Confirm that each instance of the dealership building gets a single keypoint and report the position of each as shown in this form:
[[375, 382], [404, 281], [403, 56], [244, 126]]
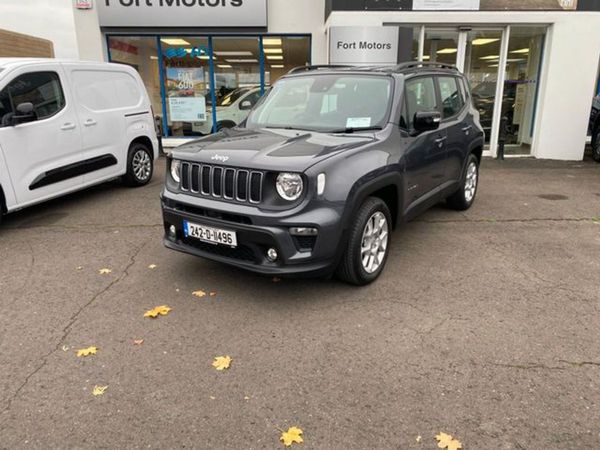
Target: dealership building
[[532, 64]]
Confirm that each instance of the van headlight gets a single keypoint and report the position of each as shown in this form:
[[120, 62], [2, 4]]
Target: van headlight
[[176, 170], [289, 186]]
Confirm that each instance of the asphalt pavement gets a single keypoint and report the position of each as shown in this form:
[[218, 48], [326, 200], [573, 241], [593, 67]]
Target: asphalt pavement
[[485, 325]]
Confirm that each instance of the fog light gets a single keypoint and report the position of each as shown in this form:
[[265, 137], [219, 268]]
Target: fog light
[[303, 231], [172, 231], [271, 254]]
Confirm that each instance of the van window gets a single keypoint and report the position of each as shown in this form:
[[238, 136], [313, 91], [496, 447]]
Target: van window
[[42, 89], [101, 90]]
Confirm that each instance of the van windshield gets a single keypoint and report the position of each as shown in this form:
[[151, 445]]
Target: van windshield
[[325, 102]]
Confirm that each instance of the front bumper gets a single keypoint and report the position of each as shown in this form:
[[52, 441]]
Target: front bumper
[[257, 231]]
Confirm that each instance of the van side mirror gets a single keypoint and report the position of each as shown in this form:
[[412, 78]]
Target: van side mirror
[[245, 105], [24, 113], [426, 121]]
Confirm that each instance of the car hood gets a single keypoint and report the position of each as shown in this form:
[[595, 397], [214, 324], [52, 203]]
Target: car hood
[[269, 149]]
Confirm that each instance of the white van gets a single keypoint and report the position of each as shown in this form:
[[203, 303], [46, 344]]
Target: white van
[[67, 125]]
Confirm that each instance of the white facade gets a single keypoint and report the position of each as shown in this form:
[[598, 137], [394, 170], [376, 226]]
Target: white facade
[[566, 80]]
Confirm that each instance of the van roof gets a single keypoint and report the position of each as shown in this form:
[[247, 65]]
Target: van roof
[[6, 63]]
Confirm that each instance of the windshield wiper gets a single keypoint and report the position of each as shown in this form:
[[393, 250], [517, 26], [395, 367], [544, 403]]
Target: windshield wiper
[[355, 129], [287, 127]]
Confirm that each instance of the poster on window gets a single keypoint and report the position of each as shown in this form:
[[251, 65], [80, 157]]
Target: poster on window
[[186, 87]]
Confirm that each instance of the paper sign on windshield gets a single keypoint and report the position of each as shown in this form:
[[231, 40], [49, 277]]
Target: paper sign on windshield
[[358, 122]]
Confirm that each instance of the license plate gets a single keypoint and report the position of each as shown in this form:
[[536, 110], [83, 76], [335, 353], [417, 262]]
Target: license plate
[[210, 234]]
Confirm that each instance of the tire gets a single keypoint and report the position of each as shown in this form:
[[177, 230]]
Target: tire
[[596, 144], [140, 165], [225, 124], [464, 197], [352, 268]]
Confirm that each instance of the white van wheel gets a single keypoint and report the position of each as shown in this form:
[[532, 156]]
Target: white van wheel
[[140, 165]]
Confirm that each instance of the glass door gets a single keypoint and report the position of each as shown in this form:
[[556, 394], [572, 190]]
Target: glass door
[[441, 45], [482, 56]]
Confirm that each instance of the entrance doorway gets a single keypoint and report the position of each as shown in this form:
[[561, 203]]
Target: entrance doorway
[[503, 67]]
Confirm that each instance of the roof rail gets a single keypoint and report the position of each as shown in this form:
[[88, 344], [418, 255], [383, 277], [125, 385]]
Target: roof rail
[[413, 64], [317, 67]]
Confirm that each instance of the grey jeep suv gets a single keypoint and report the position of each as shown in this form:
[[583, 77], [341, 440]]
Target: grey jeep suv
[[323, 169]]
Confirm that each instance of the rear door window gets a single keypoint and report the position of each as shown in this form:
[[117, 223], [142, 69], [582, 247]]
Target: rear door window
[[42, 89], [452, 101]]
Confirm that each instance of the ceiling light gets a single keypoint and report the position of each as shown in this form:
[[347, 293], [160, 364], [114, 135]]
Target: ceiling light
[[516, 59], [153, 57], [175, 41], [243, 53], [273, 50], [279, 57], [277, 66], [446, 51], [490, 57], [493, 65], [224, 66], [483, 41], [205, 57], [242, 60], [426, 57], [522, 50], [271, 41]]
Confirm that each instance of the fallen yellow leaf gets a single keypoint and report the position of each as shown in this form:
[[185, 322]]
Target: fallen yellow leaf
[[152, 266], [292, 435], [418, 439], [104, 271], [447, 441], [79, 268], [159, 310], [212, 294], [87, 351], [99, 390], [199, 294], [222, 362], [138, 341]]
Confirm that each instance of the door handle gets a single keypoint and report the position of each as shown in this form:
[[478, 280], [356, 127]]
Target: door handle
[[440, 141], [467, 128], [90, 122], [68, 126]]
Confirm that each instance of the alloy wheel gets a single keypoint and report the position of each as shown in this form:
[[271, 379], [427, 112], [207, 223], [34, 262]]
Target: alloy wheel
[[142, 165], [374, 242], [471, 182]]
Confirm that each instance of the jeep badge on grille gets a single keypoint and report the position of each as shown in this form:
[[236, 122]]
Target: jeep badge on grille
[[220, 158]]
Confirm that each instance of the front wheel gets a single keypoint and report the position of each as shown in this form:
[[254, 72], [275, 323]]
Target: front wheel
[[464, 197], [368, 244], [140, 165]]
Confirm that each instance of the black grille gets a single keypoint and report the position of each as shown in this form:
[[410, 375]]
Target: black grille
[[305, 243], [241, 185], [241, 252]]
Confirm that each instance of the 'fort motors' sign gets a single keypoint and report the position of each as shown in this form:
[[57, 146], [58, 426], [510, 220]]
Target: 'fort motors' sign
[[182, 13], [363, 45]]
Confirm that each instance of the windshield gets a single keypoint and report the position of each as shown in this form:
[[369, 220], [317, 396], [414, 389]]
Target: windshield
[[325, 102], [232, 97]]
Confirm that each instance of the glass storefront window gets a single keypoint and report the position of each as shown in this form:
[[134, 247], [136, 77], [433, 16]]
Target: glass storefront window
[[283, 53], [237, 78], [481, 68], [242, 70], [525, 46], [140, 53], [187, 85], [440, 46]]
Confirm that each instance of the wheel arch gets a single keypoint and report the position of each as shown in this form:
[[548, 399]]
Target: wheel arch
[[145, 140], [3, 208]]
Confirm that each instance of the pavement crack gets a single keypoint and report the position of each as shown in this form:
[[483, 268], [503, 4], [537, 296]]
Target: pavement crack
[[580, 363], [528, 366], [68, 327]]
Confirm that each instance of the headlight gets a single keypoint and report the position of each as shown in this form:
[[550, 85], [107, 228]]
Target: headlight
[[289, 186], [175, 170]]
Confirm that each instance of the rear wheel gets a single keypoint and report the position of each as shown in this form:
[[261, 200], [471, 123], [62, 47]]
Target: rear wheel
[[140, 165], [464, 197], [368, 244]]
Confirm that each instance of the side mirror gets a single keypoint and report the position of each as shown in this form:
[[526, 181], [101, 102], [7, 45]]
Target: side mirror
[[24, 113], [245, 105], [426, 121]]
